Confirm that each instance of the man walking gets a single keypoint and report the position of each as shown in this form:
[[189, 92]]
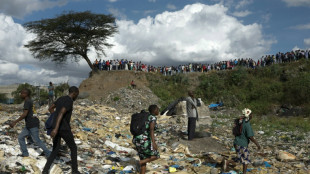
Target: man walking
[[191, 108], [62, 129], [32, 126]]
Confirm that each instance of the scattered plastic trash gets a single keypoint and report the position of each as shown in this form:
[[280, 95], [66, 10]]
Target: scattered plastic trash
[[261, 132], [87, 129], [172, 170], [267, 164]]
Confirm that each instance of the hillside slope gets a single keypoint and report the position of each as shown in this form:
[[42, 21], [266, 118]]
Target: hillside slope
[[280, 89], [101, 84]]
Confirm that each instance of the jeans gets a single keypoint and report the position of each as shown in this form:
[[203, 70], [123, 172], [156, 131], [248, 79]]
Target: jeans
[[34, 133], [69, 139]]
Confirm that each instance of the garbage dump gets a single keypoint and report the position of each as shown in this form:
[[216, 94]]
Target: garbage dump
[[105, 145]]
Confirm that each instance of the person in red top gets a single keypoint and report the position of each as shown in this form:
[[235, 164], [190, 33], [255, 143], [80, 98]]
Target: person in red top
[[133, 85], [108, 65], [204, 68]]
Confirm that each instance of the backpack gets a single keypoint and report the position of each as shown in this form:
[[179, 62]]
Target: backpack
[[49, 123], [137, 123], [237, 129]]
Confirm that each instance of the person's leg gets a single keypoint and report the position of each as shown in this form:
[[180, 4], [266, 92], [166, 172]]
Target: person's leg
[[50, 159], [50, 98], [22, 142], [188, 128], [143, 169], [69, 139], [29, 140], [191, 128], [245, 167], [147, 160], [35, 136]]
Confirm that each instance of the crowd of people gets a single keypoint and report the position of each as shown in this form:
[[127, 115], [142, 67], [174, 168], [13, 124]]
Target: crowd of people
[[266, 60]]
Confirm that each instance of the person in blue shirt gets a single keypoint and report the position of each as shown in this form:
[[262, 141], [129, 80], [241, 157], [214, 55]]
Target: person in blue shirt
[[50, 94]]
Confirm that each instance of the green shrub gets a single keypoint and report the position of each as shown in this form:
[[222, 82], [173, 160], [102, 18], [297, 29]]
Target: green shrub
[[3, 98], [116, 98], [259, 89]]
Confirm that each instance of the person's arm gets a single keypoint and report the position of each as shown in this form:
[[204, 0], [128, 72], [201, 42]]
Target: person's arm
[[21, 117], [152, 127], [52, 108], [255, 142], [59, 118]]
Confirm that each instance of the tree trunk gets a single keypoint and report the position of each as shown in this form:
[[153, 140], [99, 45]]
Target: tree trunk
[[89, 62]]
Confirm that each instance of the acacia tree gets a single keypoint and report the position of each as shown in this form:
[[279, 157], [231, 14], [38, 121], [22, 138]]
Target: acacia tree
[[70, 36]]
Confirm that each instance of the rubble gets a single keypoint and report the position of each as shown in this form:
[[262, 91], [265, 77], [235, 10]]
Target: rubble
[[105, 145]]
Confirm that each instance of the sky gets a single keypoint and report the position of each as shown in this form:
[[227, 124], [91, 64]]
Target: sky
[[157, 32]]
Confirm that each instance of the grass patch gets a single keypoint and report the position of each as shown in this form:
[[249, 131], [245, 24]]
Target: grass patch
[[116, 98], [168, 88], [271, 124]]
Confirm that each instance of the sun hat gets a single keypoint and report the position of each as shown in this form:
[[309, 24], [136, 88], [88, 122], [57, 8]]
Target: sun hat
[[246, 112]]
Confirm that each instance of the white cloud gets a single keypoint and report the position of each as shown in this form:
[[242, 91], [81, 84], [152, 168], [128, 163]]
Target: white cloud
[[116, 13], [266, 17], [296, 48], [307, 42], [147, 12], [237, 4], [17, 65], [112, 0], [171, 6], [8, 68], [20, 8], [302, 27], [152, 0], [227, 3], [242, 13], [198, 33], [296, 3], [243, 3]]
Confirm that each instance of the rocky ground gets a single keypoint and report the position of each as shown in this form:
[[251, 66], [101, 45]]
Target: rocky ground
[[104, 142]]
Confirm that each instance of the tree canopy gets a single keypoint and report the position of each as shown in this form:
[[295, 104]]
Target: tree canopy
[[35, 94], [70, 36], [61, 89], [3, 98]]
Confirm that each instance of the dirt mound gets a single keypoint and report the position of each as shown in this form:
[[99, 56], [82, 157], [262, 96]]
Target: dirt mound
[[112, 88], [101, 84]]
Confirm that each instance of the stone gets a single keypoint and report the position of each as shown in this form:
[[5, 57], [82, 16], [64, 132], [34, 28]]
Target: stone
[[285, 156], [214, 171]]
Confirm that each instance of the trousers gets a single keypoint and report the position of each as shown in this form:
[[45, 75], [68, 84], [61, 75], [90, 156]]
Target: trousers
[[67, 136], [191, 127]]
